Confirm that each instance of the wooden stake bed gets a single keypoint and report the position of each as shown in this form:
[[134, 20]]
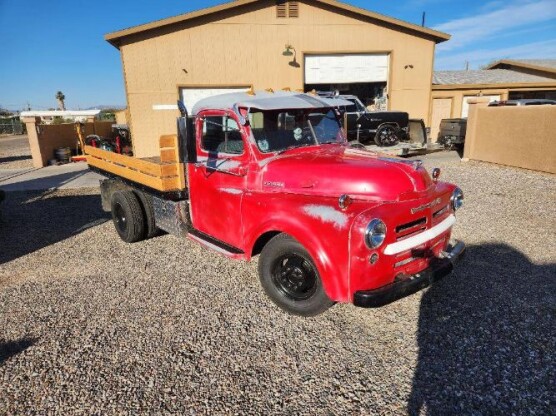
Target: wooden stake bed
[[165, 174]]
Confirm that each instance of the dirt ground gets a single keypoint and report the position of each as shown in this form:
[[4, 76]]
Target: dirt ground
[[91, 325]]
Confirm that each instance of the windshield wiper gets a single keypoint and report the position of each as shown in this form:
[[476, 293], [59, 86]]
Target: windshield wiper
[[293, 147]]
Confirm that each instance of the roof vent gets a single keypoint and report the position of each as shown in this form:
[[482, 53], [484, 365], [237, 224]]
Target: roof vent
[[281, 9], [293, 8], [287, 8]]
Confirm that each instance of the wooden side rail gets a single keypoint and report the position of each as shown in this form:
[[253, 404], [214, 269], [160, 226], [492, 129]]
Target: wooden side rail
[[168, 175]]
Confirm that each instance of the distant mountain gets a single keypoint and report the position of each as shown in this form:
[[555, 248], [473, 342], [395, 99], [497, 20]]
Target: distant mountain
[[107, 107]]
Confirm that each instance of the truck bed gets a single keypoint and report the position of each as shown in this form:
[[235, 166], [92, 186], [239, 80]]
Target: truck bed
[[164, 173]]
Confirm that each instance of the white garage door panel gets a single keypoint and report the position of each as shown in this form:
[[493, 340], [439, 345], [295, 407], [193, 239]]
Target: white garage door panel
[[190, 96], [344, 69], [465, 103]]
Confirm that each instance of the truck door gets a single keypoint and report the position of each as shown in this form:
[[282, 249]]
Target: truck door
[[217, 181]]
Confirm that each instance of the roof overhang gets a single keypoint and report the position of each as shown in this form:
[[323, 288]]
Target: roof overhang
[[115, 38], [438, 87], [519, 64]]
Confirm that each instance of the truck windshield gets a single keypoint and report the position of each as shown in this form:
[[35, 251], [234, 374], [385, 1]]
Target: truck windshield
[[279, 130], [357, 105]]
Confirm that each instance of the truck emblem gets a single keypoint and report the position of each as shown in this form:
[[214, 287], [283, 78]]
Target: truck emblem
[[425, 206], [274, 184]]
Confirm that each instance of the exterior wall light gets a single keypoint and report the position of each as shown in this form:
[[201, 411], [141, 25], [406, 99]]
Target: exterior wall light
[[288, 50]]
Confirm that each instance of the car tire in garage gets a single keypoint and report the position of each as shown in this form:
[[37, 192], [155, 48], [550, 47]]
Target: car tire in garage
[[290, 278], [127, 216]]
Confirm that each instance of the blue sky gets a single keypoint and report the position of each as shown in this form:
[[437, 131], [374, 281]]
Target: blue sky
[[58, 45]]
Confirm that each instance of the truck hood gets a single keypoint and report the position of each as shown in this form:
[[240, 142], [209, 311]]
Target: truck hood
[[335, 170]]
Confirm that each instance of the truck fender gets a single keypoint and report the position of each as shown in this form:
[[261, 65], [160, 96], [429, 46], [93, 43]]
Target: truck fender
[[334, 283]]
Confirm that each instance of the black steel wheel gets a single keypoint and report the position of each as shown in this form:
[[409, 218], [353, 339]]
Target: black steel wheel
[[127, 216], [294, 276], [387, 135], [290, 278]]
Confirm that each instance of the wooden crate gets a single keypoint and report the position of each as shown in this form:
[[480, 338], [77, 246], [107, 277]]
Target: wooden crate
[[165, 175]]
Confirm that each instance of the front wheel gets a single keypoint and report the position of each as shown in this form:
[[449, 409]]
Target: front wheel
[[387, 135], [290, 278]]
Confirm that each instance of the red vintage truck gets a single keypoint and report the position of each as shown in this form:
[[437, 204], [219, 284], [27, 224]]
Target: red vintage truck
[[271, 174]]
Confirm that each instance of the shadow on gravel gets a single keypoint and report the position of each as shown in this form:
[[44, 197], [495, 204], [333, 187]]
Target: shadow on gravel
[[40, 183], [14, 158], [35, 219], [486, 338], [11, 348]]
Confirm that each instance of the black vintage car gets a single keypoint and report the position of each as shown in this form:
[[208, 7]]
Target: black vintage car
[[386, 128]]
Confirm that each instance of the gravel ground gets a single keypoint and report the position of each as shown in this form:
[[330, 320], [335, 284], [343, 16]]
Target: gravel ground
[[91, 325], [15, 152]]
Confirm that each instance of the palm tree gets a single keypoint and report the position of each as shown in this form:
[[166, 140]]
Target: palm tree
[[61, 97]]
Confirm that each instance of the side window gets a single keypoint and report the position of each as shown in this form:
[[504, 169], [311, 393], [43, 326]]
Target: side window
[[221, 135]]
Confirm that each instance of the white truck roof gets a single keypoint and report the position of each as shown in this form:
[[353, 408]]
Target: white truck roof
[[264, 100]]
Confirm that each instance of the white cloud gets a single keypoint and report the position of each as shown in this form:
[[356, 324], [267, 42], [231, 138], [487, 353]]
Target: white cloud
[[505, 17], [483, 56]]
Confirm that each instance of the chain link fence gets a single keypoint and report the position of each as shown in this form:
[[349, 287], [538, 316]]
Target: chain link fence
[[12, 127]]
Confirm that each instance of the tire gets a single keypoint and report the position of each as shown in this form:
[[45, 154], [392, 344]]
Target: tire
[[290, 278], [387, 135], [127, 216], [146, 201]]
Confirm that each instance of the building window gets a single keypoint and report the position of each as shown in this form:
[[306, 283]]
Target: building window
[[287, 9]]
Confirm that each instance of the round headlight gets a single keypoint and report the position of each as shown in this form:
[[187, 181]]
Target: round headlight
[[375, 233], [457, 199]]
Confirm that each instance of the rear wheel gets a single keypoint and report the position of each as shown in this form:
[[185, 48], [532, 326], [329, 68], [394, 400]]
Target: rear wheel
[[387, 135], [127, 216], [290, 278], [148, 213]]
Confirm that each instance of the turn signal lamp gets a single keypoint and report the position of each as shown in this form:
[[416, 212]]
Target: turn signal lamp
[[344, 201]]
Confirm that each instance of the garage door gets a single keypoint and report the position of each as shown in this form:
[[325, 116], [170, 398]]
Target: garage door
[[441, 108], [465, 104], [345, 69], [191, 96]]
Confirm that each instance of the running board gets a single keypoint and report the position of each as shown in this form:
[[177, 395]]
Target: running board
[[215, 244]]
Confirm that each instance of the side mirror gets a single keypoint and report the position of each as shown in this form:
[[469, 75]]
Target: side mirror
[[186, 136], [182, 108]]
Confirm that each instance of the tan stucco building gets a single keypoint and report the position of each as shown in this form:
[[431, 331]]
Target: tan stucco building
[[503, 80], [241, 45]]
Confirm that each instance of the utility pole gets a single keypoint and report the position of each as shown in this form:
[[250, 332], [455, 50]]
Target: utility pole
[[423, 19]]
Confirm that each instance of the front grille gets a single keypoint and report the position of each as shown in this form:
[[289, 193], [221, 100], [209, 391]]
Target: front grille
[[440, 212], [404, 262], [410, 228]]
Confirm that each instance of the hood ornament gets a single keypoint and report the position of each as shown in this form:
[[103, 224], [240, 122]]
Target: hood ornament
[[417, 164]]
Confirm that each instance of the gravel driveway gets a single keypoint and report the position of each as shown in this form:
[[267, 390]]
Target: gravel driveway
[[15, 152], [90, 325]]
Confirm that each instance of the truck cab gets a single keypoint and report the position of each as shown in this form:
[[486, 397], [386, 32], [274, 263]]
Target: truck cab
[[272, 174]]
